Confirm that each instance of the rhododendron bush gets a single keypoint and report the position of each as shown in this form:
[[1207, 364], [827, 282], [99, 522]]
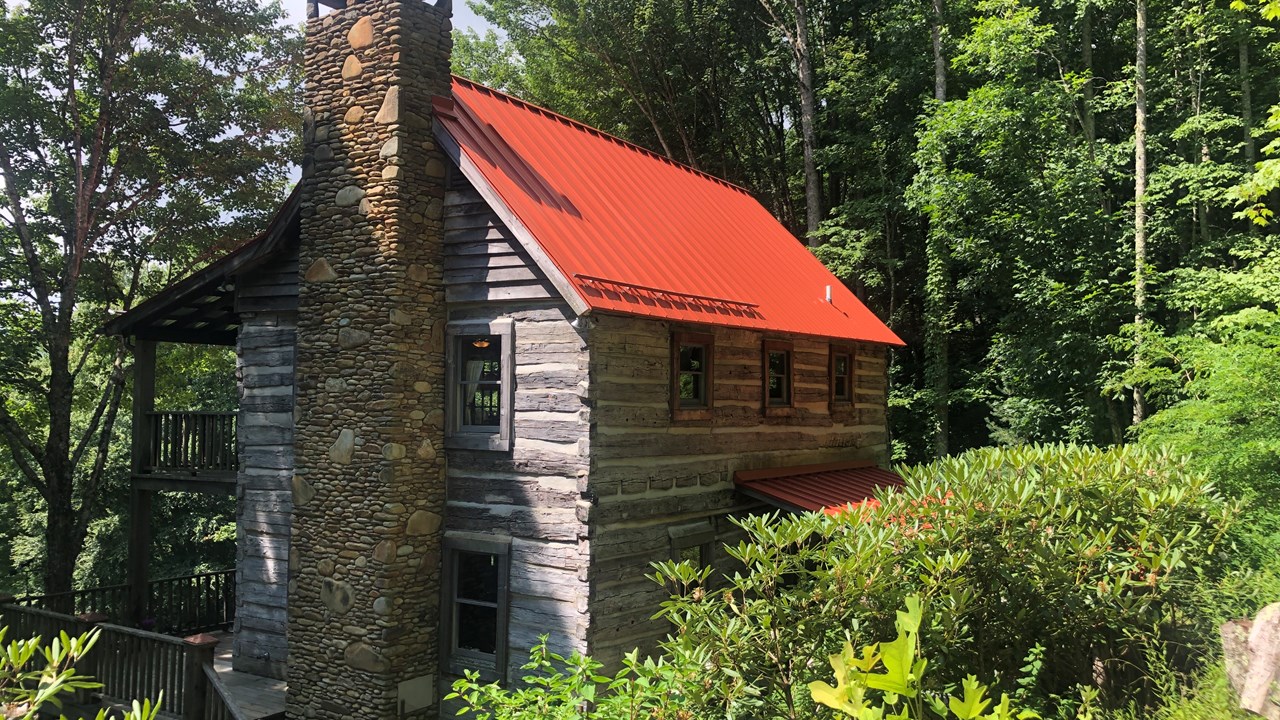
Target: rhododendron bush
[[1056, 570]]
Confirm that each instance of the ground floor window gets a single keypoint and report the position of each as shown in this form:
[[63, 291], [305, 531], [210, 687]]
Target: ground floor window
[[475, 607]]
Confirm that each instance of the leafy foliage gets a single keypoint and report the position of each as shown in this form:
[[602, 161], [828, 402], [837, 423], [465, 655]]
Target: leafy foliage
[[1076, 558], [34, 676], [573, 689], [899, 684]]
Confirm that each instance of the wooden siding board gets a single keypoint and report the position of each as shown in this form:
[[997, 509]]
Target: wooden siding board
[[264, 361]]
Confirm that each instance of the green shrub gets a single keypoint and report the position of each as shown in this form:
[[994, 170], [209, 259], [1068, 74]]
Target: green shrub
[[35, 676], [560, 688], [863, 693], [1046, 568]]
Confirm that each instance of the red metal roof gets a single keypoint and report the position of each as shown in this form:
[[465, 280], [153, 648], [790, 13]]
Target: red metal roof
[[832, 488], [637, 234]]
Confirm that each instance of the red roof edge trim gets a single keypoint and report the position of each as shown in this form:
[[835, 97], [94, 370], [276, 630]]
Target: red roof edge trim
[[598, 132]]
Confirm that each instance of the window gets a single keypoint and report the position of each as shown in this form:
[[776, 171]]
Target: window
[[691, 375], [475, 608], [777, 374], [693, 542], [841, 375], [480, 378]]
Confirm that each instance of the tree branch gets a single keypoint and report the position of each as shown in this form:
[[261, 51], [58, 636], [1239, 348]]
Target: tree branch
[[20, 446], [89, 494], [39, 280]]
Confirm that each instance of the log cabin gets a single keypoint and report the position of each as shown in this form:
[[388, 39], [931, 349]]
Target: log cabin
[[492, 363]]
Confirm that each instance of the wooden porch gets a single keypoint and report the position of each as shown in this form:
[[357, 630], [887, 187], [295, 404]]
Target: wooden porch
[[192, 675]]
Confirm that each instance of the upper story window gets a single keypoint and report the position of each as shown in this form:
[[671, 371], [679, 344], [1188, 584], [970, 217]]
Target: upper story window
[[691, 375], [777, 374], [480, 378], [841, 374]]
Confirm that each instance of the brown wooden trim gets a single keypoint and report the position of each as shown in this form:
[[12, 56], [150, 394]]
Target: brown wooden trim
[[682, 337], [766, 347]]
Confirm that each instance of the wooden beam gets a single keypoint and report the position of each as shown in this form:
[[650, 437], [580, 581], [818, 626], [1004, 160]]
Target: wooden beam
[[168, 483], [139, 553], [144, 402], [193, 337]]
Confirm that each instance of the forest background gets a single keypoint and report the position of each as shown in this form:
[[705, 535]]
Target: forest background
[[1048, 201]]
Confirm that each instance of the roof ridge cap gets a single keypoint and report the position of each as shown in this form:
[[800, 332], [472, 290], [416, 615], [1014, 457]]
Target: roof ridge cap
[[601, 134]]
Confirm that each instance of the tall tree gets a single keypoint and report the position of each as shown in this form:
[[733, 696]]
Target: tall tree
[[937, 286], [791, 18], [133, 134], [1139, 200]]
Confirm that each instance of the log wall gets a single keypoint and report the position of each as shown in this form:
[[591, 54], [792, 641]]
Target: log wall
[[532, 494], [265, 348], [649, 474]]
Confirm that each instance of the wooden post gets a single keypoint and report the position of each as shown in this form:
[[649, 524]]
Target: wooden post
[[144, 402], [195, 691]]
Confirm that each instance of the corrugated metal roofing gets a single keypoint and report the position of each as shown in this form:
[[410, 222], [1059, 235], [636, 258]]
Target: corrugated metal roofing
[[637, 234], [809, 488]]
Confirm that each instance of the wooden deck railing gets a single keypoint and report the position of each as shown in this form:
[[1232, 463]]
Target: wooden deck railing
[[175, 606], [218, 703], [130, 664], [191, 442], [193, 603]]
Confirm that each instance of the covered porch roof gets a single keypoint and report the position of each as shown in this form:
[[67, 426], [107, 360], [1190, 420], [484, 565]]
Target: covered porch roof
[[830, 487], [201, 308]]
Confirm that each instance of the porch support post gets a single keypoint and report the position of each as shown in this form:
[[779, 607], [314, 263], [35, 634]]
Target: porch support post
[[144, 401]]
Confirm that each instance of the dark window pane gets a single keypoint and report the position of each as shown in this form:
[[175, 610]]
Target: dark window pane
[[477, 628], [482, 405], [692, 358], [480, 380], [477, 576], [693, 554], [841, 387], [691, 389], [842, 365], [778, 363]]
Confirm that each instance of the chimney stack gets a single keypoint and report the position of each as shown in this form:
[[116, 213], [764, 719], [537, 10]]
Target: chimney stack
[[364, 566]]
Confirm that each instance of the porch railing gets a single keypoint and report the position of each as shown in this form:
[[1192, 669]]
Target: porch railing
[[130, 664], [175, 606], [191, 442], [218, 704]]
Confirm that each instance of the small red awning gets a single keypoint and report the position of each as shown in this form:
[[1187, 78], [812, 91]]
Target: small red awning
[[831, 488]]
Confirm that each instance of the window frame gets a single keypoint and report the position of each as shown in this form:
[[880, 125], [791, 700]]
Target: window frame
[[766, 348], [707, 341], [701, 534], [457, 661], [458, 436], [835, 351]]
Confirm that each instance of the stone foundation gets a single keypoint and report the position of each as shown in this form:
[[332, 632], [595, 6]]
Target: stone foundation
[[369, 489]]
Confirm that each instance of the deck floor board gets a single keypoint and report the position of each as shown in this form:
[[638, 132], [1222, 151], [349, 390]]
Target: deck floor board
[[257, 697]]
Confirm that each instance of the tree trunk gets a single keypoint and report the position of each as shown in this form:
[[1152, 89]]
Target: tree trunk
[[1139, 203], [1246, 97], [939, 59], [1086, 56], [808, 120], [938, 282]]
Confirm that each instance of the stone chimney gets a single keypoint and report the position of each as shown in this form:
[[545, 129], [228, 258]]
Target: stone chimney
[[364, 587]]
